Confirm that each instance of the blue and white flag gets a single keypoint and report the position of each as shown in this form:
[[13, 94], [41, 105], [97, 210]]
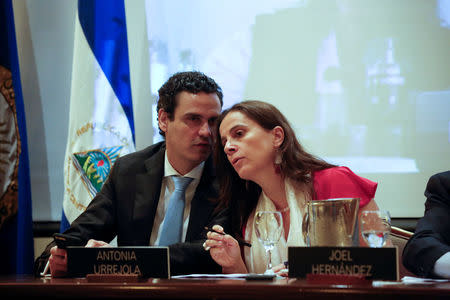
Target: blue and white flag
[[16, 227], [101, 125]]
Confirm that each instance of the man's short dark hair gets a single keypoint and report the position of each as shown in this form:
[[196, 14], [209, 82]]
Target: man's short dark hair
[[191, 82]]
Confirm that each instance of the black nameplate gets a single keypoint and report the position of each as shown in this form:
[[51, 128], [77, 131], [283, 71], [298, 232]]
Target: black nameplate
[[142, 261], [372, 263]]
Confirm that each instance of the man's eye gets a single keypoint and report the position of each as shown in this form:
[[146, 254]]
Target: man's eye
[[193, 119]]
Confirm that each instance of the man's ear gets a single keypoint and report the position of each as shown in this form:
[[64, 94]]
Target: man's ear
[[163, 119], [278, 136]]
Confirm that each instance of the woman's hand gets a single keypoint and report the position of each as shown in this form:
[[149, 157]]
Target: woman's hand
[[281, 270], [225, 250]]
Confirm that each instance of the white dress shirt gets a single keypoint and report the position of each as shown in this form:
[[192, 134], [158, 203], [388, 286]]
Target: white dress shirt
[[442, 266], [167, 188], [256, 257]]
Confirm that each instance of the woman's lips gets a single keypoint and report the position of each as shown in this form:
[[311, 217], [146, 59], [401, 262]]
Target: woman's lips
[[235, 161]]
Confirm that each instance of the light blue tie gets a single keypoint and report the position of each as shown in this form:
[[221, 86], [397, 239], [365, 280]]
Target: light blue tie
[[173, 221]]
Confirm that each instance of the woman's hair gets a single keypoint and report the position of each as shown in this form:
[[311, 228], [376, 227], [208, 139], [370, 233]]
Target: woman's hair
[[241, 196]]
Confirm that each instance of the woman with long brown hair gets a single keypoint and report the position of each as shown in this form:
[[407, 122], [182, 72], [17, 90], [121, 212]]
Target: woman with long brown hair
[[262, 166]]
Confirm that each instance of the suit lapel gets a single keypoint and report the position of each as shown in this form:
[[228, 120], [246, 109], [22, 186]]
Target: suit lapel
[[201, 207], [148, 188]]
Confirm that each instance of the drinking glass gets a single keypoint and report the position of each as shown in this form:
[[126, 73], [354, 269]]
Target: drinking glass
[[375, 227], [269, 226]]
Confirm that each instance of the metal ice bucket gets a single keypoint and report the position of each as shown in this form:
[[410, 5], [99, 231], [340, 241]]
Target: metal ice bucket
[[331, 222]]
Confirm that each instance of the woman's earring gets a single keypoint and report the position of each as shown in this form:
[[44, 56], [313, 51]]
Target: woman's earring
[[278, 158], [278, 161]]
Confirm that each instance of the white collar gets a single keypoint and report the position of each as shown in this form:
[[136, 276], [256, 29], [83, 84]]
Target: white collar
[[169, 170]]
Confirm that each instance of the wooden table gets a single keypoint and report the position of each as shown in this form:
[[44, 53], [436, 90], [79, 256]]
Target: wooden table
[[214, 289]]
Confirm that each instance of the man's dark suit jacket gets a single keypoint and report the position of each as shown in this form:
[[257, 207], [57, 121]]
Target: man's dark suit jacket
[[431, 239], [126, 207]]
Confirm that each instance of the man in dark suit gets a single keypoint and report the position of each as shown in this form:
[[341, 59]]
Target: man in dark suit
[[133, 201], [427, 252]]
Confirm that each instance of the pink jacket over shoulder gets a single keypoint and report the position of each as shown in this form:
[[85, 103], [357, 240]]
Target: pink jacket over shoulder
[[341, 182]]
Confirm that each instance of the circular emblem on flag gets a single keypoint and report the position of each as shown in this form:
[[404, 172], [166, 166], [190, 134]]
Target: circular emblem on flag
[[9, 147], [91, 154]]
